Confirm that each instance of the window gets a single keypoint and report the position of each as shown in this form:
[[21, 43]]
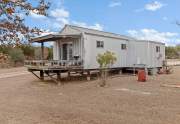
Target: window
[[123, 46], [64, 50], [100, 44], [157, 49]]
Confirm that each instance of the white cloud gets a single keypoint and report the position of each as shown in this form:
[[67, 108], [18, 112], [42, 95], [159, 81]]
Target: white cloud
[[34, 15], [96, 26], [115, 4], [59, 13], [63, 20], [154, 6], [169, 38], [58, 23], [59, 17], [55, 21]]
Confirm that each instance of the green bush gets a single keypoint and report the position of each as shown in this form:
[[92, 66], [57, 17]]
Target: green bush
[[28, 50], [16, 56]]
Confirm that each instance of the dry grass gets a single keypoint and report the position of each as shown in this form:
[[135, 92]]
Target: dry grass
[[25, 100]]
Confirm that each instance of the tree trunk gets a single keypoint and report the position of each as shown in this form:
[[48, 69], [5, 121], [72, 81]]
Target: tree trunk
[[103, 77]]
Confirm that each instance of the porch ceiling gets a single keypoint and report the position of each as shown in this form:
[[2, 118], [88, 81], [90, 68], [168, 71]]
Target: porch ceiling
[[52, 37]]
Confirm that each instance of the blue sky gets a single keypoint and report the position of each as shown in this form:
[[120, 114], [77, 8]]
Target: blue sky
[[143, 19]]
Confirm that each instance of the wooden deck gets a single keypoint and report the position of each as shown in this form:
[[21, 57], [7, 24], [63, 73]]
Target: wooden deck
[[53, 64], [52, 67]]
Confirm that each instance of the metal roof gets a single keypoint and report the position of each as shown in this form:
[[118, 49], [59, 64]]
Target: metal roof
[[100, 33], [52, 37], [156, 42]]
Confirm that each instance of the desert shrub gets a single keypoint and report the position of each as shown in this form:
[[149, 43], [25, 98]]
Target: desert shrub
[[5, 48], [16, 56], [173, 52]]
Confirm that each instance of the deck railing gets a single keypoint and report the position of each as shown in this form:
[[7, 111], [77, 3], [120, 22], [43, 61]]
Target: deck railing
[[53, 63]]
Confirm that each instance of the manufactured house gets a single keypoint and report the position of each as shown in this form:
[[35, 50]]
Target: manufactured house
[[76, 48]]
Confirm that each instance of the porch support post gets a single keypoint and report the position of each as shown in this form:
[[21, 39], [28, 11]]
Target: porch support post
[[42, 50], [42, 58], [42, 75], [59, 76], [120, 71], [88, 76]]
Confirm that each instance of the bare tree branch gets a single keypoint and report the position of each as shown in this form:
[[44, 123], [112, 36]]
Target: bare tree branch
[[12, 24]]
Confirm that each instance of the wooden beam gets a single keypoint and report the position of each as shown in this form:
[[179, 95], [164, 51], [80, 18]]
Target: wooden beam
[[52, 78], [35, 74]]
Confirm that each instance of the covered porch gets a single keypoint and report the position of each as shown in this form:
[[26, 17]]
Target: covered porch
[[67, 51], [67, 56]]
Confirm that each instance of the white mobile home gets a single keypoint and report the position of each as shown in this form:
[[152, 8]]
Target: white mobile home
[[85, 44], [76, 46]]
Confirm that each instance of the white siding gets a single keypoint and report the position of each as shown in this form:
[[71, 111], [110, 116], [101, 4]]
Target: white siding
[[144, 52], [70, 31], [137, 52], [57, 48], [156, 58], [110, 44], [77, 48]]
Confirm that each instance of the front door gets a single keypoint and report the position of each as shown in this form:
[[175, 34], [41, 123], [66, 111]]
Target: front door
[[64, 51], [67, 51]]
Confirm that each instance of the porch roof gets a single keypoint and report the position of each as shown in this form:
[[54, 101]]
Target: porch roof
[[52, 37]]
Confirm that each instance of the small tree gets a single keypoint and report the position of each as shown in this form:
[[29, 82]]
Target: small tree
[[105, 60]]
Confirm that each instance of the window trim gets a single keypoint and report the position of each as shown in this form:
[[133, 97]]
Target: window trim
[[123, 46], [99, 44], [158, 49]]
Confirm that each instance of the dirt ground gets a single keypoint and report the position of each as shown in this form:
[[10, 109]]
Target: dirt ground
[[26, 100]]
